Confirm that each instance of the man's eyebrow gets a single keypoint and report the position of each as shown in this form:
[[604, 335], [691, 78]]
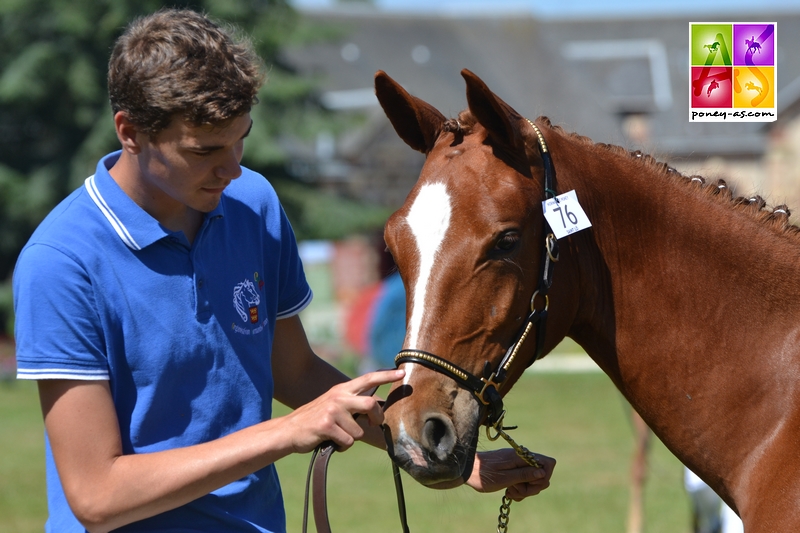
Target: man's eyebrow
[[220, 147]]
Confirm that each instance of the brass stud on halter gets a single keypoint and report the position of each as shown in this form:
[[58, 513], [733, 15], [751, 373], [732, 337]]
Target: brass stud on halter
[[542, 144]]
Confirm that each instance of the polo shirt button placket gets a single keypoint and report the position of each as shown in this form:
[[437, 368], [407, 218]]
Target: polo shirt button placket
[[202, 297]]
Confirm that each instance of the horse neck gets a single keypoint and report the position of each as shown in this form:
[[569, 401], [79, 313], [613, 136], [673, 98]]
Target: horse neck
[[659, 236], [681, 291]]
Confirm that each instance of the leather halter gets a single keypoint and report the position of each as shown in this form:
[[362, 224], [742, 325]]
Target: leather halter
[[486, 388]]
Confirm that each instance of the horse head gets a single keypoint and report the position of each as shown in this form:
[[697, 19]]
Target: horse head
[[245, 297], [468, 243]]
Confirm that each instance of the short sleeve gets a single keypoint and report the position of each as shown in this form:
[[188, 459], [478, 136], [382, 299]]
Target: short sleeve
[[295, 293], [58, 331]]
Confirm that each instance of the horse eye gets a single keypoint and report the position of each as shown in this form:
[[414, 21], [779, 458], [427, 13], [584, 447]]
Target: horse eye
[[507, 242]]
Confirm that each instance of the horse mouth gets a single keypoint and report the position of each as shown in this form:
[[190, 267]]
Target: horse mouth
[[430, 465]]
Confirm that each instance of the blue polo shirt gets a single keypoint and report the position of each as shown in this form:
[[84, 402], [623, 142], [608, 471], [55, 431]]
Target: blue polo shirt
[[183, 333]]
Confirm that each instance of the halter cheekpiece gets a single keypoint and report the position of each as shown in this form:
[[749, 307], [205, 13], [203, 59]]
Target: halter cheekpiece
[[486, 388]]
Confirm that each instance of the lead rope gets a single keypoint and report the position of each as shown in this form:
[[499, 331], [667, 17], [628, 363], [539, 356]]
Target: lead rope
[[527, 455]]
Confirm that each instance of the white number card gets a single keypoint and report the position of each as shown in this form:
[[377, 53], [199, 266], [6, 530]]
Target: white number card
[[565, 214]]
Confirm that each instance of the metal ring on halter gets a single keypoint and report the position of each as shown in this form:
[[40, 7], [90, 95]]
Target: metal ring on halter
[[533, 302], [550, 245], [497, 427]]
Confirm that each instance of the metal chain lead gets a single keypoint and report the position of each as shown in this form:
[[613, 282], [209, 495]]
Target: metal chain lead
[[527, 455], [502, 518]]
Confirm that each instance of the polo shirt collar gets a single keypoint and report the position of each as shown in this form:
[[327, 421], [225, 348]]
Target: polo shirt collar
[[134, 226]]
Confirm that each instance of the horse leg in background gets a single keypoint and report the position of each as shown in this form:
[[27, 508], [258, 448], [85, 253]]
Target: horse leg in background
[[709, 513], [707, 507], [642, 436]]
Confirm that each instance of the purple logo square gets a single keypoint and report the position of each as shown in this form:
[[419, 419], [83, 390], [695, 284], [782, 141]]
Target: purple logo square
[[754, 44]]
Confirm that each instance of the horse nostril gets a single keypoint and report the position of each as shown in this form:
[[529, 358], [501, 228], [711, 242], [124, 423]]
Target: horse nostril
[[438, 437]]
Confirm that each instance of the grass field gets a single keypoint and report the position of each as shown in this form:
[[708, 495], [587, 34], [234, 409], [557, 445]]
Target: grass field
[[22, 489], [578, 418]]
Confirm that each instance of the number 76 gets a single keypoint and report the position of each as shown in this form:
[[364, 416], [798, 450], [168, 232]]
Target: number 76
[[572, 217]]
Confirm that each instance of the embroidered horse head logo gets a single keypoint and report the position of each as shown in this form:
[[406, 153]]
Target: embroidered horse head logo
[[246, 300]]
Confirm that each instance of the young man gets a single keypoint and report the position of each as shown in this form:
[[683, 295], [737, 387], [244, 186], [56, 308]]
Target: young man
[[157, 307]]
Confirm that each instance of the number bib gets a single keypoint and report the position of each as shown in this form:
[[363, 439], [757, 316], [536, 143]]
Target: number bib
[[565, 214]]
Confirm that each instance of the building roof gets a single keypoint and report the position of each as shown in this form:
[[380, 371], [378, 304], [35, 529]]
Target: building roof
[[588, 76]]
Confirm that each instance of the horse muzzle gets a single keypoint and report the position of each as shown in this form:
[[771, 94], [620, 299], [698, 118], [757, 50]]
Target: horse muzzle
[[433, 444]]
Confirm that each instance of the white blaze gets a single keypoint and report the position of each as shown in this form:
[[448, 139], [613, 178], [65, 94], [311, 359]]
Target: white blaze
[[428, 218]]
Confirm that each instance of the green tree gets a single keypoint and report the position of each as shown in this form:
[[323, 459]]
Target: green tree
[[55, 121]]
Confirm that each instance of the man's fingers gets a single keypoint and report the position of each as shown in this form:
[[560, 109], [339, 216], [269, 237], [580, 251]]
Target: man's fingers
[[533, 480], [521, 491], [371, 380], [366, 384], [334, 413], [375, 414], [504, 469]]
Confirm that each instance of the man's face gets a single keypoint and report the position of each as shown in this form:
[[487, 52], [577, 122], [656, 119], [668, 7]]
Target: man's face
[[190, 166]]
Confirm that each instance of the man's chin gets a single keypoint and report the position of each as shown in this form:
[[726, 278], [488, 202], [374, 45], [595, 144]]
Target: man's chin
[[210, 202]]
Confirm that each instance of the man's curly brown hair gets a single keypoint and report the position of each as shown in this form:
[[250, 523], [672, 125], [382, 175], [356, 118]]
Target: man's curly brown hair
[[180, 63]]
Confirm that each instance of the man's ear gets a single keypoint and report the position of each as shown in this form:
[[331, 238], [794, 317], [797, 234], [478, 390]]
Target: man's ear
[[128, 133]]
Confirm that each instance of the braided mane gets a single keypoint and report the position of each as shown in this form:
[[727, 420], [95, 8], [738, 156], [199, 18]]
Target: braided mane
[[777, 217]]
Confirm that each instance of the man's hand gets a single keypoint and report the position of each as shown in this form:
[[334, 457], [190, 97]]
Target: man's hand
[[330, 416], [504, 469]]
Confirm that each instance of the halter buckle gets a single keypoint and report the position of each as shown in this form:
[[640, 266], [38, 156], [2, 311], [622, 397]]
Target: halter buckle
[[488, 382]]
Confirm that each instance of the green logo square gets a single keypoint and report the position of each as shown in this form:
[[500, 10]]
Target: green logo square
[[711, 44]]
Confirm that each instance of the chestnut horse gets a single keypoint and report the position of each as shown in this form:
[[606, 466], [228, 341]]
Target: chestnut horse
[[686, 297]]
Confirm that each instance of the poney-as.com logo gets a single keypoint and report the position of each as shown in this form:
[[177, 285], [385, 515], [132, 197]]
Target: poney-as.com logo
[[734, 71]]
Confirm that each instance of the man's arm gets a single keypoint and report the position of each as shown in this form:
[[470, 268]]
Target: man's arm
[[106, 489]]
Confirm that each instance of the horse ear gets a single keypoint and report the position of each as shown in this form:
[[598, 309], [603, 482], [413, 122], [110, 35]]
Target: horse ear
[[416, 122], [500, 119]]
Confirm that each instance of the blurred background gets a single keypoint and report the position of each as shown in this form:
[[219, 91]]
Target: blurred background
[[615, 71]]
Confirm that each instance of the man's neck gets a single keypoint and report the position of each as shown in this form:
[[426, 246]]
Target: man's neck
[[170, 213]]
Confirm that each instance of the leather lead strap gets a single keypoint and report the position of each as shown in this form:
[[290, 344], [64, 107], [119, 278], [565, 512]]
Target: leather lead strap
[[401, 498], [320, 479], [308, 487], [316, 482]]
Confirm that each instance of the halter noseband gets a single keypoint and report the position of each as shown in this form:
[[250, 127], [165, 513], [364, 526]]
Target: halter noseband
[[486, 389]]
